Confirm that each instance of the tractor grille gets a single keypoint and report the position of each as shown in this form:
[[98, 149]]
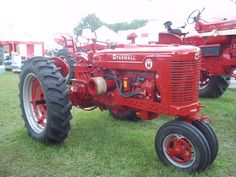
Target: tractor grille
[[184, 81]]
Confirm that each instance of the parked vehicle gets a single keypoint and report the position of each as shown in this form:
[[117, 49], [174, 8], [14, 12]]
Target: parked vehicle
[[16, 52], [131, 81], [217, 41]]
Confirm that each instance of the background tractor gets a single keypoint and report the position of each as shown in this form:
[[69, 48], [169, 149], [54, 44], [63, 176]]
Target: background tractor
[[217, 41], [132, 82]]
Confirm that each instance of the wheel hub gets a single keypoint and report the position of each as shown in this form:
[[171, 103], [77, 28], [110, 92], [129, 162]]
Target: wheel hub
[[34, 102], [39, 102], [179, 150]]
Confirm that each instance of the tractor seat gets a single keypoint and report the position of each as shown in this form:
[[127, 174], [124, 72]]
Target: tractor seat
[[173, 31]]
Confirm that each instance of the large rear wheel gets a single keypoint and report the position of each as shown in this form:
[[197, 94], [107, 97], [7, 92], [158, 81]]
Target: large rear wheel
[[213, 86], [44, 102]]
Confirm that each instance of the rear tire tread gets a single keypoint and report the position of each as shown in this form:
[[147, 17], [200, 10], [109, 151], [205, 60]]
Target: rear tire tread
[[216, 88], [58, 107]]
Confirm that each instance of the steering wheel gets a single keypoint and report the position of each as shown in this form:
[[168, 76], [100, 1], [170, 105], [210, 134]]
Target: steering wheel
[[84, 37], [194, 16]]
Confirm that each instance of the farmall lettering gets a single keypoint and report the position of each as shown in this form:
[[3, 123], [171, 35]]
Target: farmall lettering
[[123, 57]]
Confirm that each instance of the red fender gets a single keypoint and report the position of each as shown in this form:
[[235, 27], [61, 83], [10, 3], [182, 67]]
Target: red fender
[[169, 38], [60, 63]]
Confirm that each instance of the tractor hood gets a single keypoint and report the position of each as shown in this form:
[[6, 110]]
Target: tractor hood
[[150, 49], [131, 57]]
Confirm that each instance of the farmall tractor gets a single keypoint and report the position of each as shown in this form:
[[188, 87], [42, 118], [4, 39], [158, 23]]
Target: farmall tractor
[[217, 41], [132, 82]]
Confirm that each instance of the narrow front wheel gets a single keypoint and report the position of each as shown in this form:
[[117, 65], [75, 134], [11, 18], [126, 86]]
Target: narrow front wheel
[[181, 145], [210, 136]]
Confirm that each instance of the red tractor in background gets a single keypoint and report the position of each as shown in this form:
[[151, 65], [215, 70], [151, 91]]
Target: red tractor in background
[[132, 82], [217, 41]]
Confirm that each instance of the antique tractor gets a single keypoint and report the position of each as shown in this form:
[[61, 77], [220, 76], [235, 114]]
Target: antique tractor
[[217, 41], [136, 82]]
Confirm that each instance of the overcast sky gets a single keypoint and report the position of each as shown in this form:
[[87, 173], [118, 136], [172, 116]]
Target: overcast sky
[[44, 17]]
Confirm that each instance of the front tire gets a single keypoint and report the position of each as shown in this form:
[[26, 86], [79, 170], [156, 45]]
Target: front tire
[[44, 102], [182, 146], [213, 86], [210, 136]]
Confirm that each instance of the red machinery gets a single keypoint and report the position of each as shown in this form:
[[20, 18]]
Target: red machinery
[[13, 46], [217, 41], [16, 52], [130, 81]]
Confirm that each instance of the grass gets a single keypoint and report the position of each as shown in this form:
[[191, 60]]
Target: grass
[[98, 145]]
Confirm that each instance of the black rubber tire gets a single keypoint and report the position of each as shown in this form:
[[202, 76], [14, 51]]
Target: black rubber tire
[[210, 136], [216, 87], [128, 115], [63, 53], [197, 139], [57, 103]]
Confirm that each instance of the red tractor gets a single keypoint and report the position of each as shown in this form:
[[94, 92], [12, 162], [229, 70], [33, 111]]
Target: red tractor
[[132, 82], [217, 41]]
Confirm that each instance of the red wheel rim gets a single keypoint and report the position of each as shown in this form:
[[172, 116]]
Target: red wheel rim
[[179, 150], [39, 102]]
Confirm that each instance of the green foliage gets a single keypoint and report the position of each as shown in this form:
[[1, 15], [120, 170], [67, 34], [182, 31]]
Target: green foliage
[[127, 26], [94, 23], [91, 21], [99, 145]]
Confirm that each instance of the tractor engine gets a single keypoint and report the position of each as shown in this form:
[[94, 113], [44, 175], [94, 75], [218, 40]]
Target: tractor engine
[[147, 81]]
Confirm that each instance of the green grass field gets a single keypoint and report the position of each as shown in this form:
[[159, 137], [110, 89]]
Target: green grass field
[[98, 145]]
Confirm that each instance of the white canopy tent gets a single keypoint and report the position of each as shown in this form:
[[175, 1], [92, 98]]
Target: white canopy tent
[[18, 45], [145, 34], [106, 34]]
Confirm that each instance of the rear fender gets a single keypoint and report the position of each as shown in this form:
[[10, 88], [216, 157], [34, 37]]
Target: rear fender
[[169, 38], [62, 64]]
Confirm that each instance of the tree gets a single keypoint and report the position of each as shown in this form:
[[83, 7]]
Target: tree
[[91, 20], [137, 23], [134, 24]]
